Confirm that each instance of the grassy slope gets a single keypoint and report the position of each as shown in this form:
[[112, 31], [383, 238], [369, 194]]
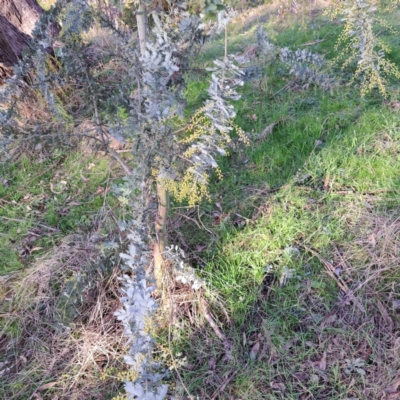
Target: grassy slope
[[324, 186], [42, 201], [53, 212], [312, 191]]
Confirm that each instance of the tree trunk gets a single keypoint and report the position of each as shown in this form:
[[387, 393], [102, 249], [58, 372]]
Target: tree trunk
[[17, 20], [141, 18], [162, 193]]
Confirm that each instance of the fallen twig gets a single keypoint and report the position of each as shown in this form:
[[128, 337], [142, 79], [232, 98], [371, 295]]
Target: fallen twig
[[225, 383], [38, 224], [280, 90], [215, 327], [314, 42], [330, 269], [268, 129]]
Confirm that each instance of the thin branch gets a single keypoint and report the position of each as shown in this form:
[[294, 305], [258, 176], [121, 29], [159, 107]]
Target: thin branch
[[216, 329], [330, 269], [38, 224]]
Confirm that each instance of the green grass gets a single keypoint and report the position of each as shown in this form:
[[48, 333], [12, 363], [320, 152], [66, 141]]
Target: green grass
[[43, 201], [322, 189], [46, 4], [333, 159]]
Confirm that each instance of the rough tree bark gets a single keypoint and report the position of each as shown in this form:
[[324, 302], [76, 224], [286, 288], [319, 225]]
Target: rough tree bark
[[17, 20]]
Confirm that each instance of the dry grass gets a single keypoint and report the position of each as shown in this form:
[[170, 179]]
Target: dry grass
[[315, 358], [370, 264], [48, 354], [287, 9], [374, 255]]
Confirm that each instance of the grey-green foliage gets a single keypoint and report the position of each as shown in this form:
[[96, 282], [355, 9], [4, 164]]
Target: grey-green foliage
[[79, 287], [307, 67], [151, 94], [362, 44], [158, 148], [138, 308], [42, 76], [225, 78]]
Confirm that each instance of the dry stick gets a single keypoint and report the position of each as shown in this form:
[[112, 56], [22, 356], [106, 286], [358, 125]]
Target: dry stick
[[314, 42], [190, 219], [225, 383], [21, 220], [162, 193], [226, 43], [204, 227], [218, 332], [123, 164], [340, 282], [169, 344], [141, 19], [371, 277], [280, 90]]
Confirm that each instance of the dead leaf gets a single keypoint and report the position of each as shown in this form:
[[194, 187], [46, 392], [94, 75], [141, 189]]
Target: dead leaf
[[54, 191], [329, 321], [396, 305], [74, 203], [313, 42], [23, 358], [4, 182], [322, 363], [267, 130], [351, 384], [392, 389], [372, 239], [301, 376], [212, 362], [99, 190], [46, 386], [36, 249], [290, 344], [326, 182], [277, 386], [254, 351], [388, 321]]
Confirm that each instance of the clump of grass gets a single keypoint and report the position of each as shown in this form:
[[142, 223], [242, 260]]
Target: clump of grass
[[373, 256], [46, 198], [60, 340]]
